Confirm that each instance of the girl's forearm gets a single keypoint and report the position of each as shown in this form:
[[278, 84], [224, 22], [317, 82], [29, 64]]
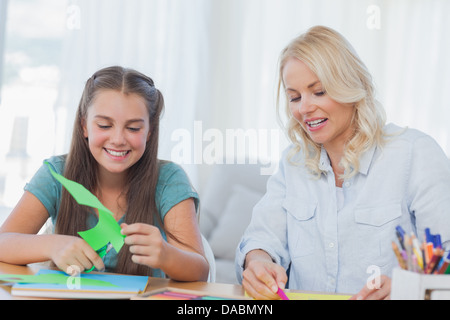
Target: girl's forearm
[[22, 249], [184, 265]]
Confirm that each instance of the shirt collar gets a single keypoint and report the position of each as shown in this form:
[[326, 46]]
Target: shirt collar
[[364, 162], [324, 162]]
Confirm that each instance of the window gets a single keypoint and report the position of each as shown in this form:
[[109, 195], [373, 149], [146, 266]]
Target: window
[[32, 48]]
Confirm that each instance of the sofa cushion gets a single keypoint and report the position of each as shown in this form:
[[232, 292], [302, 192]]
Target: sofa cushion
[[218, 190], [234, 220]]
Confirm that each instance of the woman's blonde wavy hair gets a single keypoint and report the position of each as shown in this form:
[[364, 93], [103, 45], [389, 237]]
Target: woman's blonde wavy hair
[[346, 80]]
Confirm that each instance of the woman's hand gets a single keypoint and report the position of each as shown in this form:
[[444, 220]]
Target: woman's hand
[[74, 254], [383, 292], [146, 244], [262, 277]]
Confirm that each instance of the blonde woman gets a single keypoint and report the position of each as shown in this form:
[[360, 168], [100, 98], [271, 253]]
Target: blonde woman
[[345, 183]]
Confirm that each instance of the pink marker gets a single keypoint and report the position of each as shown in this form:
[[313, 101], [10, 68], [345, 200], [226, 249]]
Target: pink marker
[[282, 294]]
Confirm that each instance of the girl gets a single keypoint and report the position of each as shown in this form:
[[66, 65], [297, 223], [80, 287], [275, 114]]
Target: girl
[[114, 155], [345, 183]]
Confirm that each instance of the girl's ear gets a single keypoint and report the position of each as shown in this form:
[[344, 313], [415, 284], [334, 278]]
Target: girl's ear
[[83, 125], [149, 131]]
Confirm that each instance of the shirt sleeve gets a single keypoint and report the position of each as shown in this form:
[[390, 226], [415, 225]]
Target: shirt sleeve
[[173, 187], [267, 229], [44, 187], [429, 188]]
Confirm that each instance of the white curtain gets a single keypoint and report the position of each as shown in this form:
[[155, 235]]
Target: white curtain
[[216, 62], [415, 59], [3, 7], [167, 40]]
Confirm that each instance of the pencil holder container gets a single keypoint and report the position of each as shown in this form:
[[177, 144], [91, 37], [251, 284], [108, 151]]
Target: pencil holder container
[[407, 285]]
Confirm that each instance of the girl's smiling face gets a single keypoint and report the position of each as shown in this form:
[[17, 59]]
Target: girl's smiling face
[[117, 127], [326, 121]]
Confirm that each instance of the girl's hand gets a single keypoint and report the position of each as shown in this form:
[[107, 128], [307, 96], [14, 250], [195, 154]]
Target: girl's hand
[[146, 244], [180, 257], [262, 277], [74, 254]]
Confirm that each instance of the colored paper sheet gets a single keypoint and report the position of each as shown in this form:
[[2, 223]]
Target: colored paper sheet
[[178, 295], [312, 296], [107, 229], [57, 284], [53, 278], [315, 296]]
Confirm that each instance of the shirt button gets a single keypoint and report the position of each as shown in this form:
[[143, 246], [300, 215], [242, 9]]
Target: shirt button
[[331, 245], [347, 184]]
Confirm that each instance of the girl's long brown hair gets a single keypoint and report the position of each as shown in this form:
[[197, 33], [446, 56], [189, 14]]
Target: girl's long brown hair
[[142, 177]]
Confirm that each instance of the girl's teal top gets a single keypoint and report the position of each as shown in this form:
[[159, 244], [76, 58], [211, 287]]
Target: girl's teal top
[[172, 188]]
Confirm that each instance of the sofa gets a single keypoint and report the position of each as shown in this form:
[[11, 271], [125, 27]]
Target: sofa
[[227, 201]]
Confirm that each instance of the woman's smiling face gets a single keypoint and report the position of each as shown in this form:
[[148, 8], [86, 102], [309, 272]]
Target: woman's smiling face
[[326, 121], [117, 127]]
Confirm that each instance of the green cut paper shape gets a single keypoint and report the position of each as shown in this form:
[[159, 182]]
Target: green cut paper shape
[[52, 278], [107, 229]]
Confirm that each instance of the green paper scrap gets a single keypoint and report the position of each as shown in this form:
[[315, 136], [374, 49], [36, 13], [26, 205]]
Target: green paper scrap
[[52, 278], [107, 229]]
